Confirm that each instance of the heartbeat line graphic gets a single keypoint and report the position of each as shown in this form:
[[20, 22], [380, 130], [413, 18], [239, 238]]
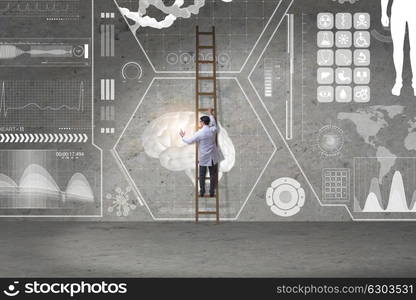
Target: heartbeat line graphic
[[4, 108]]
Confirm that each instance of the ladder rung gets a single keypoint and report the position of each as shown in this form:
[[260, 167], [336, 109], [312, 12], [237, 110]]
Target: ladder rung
[[205, 177], [205, 77], [207, 212], [207, 196], [206, 94], [203, 109], [206, 47], [205, 33], [206, 61]]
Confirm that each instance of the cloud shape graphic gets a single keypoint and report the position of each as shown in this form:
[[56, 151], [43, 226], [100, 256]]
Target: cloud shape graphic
[[172, 12]]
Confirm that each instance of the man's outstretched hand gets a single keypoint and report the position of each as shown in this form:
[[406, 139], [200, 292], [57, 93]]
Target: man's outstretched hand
[[211, 111], [385, 20], [182, 133]]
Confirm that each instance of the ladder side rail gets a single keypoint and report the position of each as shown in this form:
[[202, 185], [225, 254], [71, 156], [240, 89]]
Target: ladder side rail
[[196, 126]]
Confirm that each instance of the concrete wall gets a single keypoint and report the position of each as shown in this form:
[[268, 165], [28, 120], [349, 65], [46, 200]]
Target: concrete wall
[[278, 127]]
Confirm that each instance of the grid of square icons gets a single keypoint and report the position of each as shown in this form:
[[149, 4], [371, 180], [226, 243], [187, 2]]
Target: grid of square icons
[[343, 57], [335, 185]]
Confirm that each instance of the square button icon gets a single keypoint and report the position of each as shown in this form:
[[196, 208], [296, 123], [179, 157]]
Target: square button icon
[[362, 76], [362, 21], [325, 94], [343, 21], [362, 94], [343, 76], [325, 57], [325, 75], [343, 94], [325, 21], [343, 57], [362, 57], [325, 39], [343, 39], [362, 39]]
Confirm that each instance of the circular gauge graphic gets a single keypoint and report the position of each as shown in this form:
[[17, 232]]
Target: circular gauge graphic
[[172, 58], [285, 197], [78, 51], [132, 71], [330, 140], [223, 59]]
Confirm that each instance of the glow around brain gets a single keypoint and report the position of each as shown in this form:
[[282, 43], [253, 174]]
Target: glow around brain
[[161, 140], [172, 12]]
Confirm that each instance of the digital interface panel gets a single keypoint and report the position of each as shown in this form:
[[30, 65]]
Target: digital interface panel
[[316, 111]]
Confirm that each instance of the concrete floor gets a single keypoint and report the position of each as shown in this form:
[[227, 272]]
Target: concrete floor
[[83, 249]]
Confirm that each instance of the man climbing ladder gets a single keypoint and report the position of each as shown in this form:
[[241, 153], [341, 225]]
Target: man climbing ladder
[[208, 152]]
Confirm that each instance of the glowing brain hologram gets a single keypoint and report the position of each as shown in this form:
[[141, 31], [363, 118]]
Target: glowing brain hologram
[[161, 140]]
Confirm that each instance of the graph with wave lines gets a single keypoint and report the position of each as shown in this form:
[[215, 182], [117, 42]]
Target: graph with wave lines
[[59, 101], [395, 192]]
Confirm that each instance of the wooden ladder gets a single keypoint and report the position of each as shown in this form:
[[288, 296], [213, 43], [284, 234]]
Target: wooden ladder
[[198, 109]]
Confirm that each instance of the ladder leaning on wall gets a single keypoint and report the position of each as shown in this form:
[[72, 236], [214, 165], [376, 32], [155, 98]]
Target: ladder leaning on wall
[[199, 96]]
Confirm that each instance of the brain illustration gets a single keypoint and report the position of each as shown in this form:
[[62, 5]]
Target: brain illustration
[[161, 140]]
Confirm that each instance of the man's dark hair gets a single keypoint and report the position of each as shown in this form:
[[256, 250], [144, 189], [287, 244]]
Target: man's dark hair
[[205, 119]]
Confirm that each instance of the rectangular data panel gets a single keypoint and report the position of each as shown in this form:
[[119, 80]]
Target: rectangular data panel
[[45, 52], [49, 164]]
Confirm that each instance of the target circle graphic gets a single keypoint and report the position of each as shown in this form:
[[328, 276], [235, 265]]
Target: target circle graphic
[[172, 58], [186, 58], [78, 51], [223, 58], [285, 197], [330, 140]]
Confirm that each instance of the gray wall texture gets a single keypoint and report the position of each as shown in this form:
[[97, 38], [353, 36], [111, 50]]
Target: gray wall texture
[[336, 153]]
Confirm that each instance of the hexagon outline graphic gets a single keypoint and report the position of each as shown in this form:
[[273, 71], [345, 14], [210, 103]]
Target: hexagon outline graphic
[[140, 197], [190, 72]]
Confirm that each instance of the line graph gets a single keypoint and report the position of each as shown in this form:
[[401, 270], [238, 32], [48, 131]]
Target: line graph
[[27, 7], [44, 102], [63, 9], [4, 108]]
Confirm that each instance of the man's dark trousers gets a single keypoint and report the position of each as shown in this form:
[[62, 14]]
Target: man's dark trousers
[[213, 174]]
